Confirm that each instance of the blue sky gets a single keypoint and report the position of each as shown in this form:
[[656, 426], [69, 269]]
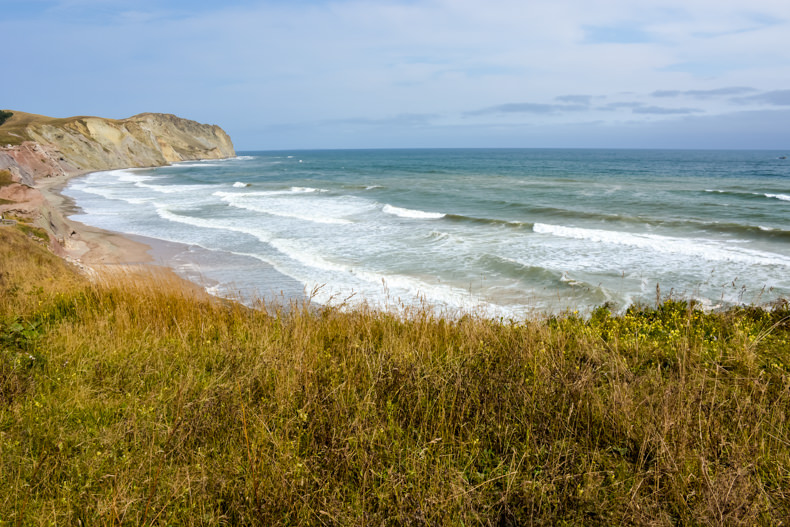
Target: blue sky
[[282, 74]]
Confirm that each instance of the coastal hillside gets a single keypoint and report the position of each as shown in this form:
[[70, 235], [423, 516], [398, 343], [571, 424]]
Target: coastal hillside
[[37, 153], [35, 146]]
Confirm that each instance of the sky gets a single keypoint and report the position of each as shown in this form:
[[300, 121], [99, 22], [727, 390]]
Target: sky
[[303, 74]]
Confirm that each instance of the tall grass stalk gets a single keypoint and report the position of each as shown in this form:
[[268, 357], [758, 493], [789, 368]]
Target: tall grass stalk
[[135, 400]]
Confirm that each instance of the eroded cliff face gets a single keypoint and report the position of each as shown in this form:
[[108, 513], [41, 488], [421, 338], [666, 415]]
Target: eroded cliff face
[[92, 143], [35, 149], [31, 161]]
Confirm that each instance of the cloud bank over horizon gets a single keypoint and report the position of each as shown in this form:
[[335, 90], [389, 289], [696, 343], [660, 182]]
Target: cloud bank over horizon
[[416, 73]]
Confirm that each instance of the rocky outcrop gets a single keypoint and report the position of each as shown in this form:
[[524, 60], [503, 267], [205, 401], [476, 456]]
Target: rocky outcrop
[[31, 161]]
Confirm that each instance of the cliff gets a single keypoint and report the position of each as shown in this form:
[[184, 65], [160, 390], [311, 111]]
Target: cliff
[[34, 146], [38, 153]]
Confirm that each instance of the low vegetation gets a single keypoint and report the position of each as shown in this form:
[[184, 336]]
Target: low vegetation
[[14, 125], [14, 130], [133, 400], [5, 178]]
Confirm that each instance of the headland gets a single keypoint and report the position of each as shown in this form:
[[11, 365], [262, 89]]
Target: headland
[[39, 154]]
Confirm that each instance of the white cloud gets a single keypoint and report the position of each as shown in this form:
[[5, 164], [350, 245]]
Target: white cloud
[[253, 63]]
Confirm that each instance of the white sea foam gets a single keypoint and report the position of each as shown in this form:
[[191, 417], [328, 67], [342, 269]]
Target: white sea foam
[[136, 178], [126, 176], [206, 223], [167, 214], [569, 280], [173, 189], [313, 209], [438, 235], [206, 162], [214, 290], [292, 190], [381, 288], [410, 213], [697, 248], [260, 193], [108, 193], [781, 197], [304, 190], [244, 158], [295, 215]]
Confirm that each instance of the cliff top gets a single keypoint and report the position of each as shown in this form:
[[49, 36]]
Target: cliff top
[[15, 129], [36, 150], [35, 146]]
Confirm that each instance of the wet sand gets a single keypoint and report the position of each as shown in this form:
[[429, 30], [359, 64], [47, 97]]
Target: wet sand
[[100, 251], [97, 251]]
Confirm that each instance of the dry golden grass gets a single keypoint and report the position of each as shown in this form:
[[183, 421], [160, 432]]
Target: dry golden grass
[[134, 401], [14, 130], [5, 178]]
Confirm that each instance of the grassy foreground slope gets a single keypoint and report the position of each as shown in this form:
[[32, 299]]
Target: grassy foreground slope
[[132, 402]]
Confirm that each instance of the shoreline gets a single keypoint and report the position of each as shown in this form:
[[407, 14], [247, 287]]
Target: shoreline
[[80, 242], [98, 251]]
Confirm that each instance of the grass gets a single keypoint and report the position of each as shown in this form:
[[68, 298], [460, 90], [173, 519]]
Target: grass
[[13, 131], [130, 400], [34, 233], [13, 128], [5, 178]]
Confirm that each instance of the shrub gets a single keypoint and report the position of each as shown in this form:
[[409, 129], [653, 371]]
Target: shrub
[[4, 116]]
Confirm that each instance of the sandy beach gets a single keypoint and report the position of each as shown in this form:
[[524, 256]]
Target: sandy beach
[[82, 243], [100, 252]]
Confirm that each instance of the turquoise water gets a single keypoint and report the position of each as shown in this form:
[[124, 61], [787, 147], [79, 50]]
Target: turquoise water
[[502, 232]]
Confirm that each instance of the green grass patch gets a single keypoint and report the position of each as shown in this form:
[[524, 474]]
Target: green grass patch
[[130, 400], [5, 178], [36, 233]]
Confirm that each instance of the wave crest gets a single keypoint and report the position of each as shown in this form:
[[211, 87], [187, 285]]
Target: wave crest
[[411, 213], [697, 248]]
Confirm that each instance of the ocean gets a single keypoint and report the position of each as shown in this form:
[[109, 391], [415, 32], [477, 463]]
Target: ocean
[[498, 232]]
